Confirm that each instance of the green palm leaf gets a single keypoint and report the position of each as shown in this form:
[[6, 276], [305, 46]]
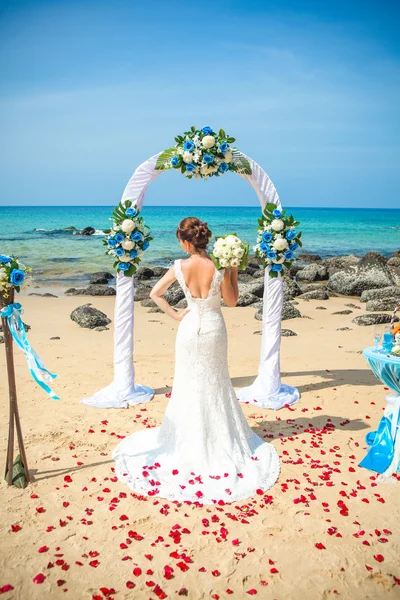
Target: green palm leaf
[[240, 162], [164, 160]]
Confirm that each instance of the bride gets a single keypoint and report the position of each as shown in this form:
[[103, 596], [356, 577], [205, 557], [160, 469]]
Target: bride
[[204, 450]]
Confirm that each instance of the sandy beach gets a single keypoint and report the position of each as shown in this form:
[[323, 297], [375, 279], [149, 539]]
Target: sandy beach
[[326, 529]]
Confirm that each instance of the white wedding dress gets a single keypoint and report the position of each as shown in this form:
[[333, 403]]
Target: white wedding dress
[[204, 450]]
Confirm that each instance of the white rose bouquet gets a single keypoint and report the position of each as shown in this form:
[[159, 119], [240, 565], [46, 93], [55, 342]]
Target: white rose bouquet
[[128, 238], [277, 239], [230, 252], [203, 153]]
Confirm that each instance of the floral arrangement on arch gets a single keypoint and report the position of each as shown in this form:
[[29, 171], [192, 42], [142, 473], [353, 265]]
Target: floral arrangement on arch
[[128, 238], [13, 274], [203, 153], [277, 239]]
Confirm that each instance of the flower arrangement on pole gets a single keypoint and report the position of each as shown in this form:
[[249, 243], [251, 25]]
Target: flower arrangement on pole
[[128, 238], [277, 239], [203, 153], [230, 252], [13, 274]]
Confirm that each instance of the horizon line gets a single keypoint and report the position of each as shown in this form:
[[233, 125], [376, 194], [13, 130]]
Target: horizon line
[[194, 206]]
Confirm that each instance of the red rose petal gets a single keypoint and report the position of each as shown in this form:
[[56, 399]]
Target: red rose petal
[[379, 558], [39, 578], [320, 546]]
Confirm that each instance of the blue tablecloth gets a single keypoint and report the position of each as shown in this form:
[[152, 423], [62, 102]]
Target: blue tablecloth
[[384, 453]]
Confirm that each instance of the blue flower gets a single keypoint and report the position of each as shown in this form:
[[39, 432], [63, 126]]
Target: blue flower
[[289, 255], [190, 168], [223, 167], [271, 255], [291, 234], [208, 159], [293, 247], [145, 245], [264, 247], [133, 253], [276, 268], [4, 259], [112, 242], [267, 236], [119, 251], [123, 266], [137, 236], [175, 161], [17, 277], [277, 213], [188, 146], [131, 212], [119, 238], [223, 147], [207, 130]]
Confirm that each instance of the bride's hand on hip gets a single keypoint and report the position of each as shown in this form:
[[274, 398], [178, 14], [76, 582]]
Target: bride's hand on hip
[[178, 316]]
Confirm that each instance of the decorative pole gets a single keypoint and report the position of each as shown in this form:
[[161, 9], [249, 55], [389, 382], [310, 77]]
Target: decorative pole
[[14, 421]]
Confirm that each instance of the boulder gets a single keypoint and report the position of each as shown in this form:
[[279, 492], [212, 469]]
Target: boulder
[[255, 287], [254, 261], [88, 231], [288, 333], [101, 277], [142, 292], [288, 312], [295, 268], [371, 273], [258, 274], [148, 303], [90, 317], [382, 304], [159, 271], [314, 295], [350, 305], [144, 273], [247, 299], [91, 290], [394, 261], [373, 319], [343, 312], [311, 287], [309, 258], [341, 263], [290, 289], [391, 291], [245, 277], [174, 294], [181, 304], [313, 272]]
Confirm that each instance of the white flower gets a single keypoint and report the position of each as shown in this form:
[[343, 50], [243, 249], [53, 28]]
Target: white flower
[[217, 252], [187, 157], [208, 141], [226, 254], [128, 245], [223, 262], [206, 170], [127, 226], [277, 225], [124, 258], [235, 262], [228, 156], [280, 244], [238, 252]]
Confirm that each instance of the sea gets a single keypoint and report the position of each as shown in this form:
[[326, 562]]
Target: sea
[[46, 238]]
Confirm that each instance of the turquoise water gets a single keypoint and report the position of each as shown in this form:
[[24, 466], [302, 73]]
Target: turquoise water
[[62, 257]]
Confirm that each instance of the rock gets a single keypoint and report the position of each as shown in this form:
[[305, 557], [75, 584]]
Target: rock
[[321, 308], [90, 317], [159, 271], [343, 312], [391, 291], [315, 295], [371, 273], [46, 295], [91, 290], [290, 289], [56, 337], [254, 261], [100, 277], [289, 311], [258, 274], [394, 261], [144, 273], [148, 303], [295, 268], [101, 328], [247, 299], [344, 329], [373, 319], [88, 231], [287, 333], [174, 294], [156, 309], [313, 272], [341, 263], [244, 277], [181, 304], [142, 292], [255, 287], [311, 287], [1, 339], [309, 258], [382, 304], [350, 305]]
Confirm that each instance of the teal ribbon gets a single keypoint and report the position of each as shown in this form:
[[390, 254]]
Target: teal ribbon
[[12, 312]]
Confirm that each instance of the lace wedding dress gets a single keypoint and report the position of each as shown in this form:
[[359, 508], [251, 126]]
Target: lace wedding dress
[[204, 450]]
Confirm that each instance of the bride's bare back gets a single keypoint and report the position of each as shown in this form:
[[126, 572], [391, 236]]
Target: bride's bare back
[[198, 272]]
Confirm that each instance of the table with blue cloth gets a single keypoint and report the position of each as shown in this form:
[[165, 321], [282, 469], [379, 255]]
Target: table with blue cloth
[[384, 452]]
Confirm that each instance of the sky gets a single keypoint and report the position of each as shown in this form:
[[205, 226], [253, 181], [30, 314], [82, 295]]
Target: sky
[[91, 89]]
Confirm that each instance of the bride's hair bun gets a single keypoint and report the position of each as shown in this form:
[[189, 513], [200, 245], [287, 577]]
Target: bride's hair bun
[[194, 231]]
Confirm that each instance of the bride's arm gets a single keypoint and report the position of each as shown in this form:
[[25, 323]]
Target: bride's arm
[[159, 289], [230, 288]]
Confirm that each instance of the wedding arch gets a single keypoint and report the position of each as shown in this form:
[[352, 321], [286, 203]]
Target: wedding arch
[[267, 391]]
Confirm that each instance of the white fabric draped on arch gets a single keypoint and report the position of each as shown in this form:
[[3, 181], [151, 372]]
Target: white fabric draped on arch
[[267, 391]]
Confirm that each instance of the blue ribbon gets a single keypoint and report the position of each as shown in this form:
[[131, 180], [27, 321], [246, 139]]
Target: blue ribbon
[[12, 312]]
